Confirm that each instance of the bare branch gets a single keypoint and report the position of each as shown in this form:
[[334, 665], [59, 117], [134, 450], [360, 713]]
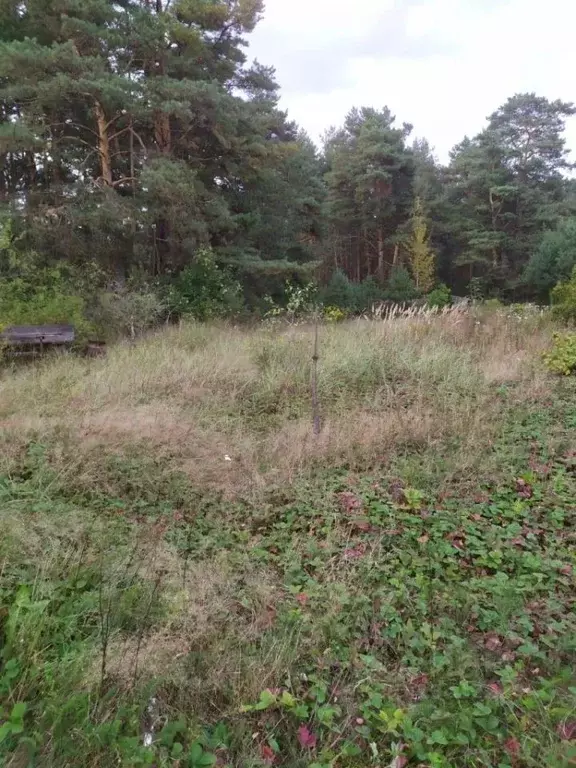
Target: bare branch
[[123, 180]]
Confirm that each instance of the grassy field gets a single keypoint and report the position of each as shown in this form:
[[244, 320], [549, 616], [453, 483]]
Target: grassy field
[[189, 577]]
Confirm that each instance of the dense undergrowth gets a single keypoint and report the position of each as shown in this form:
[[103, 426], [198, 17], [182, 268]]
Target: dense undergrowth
[[189, 579]]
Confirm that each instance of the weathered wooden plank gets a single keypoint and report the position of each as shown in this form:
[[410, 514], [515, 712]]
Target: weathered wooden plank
[[38, 334]]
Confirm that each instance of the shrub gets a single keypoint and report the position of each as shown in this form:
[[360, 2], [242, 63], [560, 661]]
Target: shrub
[[203, 290], [41, 296], [400, 286], [477, 288], [299, 301], [128, 313], [366, 294], [349, 296], [333, 314], [440, 297], [554, 259], [338, 292], [564, 299], [562, 357]]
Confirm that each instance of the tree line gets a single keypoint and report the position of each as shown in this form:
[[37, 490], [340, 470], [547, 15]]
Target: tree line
[[139, 147]]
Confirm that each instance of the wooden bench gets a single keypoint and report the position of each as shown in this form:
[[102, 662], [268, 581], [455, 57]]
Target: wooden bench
[[31, 338]]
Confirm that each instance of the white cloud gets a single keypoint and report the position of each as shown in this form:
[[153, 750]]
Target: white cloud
[[442, 65]]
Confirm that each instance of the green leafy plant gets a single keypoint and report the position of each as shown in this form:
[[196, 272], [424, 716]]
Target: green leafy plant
[[440, 297], [203, 290], [366, 294], [128, 312], [42, 296], [300, 299], [14, 723], [338, 292], [333, 314], [562, 357], [400, 286], [564, 299], [199, 757], [477, 289]]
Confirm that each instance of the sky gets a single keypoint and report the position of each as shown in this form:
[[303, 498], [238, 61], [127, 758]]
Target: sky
[[441, 65]]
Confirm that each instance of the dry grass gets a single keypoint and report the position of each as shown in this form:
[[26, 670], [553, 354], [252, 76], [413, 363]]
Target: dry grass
[[197, 394], [214, 614]]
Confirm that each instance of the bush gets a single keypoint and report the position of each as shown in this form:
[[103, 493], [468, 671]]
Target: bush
[[400, 287], [440, 297], [338, 292], [351, 297], [562, 357], [366, 294], [477, 288], [333, 314], [39, 297], [299, 302], [203, 290], [564, 299], [554, 259], [128, 313]]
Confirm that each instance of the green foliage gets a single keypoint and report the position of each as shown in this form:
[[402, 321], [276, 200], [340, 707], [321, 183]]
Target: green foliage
[[338, 292], [554, 258], [42, 296], [366, 294], [300, 299], [351, 297], [440, 297], [477, 289], [50, 680], [333, 314], [13, 724], [400, 286], [564, 299], [562, 357], [203, 290], [299, 302], [127, 313], [162, 139], [369, 180]]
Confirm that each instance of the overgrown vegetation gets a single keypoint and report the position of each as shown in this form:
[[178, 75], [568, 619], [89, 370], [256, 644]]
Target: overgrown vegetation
[[564, 299], [190, 577]]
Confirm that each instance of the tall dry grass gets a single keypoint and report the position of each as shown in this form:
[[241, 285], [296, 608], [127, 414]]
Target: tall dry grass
[[231, 407]]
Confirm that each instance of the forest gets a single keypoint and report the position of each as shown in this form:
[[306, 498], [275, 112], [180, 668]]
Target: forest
[[148, 170]]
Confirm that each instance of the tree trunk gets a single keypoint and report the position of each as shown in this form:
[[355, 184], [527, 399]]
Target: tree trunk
[[162, 133], [381, 270], [103, 144], [162, 137]]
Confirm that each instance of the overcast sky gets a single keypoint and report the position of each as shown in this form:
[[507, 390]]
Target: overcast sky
[[442, 65]]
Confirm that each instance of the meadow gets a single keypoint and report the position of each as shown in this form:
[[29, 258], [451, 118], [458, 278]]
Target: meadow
[[189, 576]]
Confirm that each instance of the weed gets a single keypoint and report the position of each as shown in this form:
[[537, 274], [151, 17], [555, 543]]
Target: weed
[[562, 357]]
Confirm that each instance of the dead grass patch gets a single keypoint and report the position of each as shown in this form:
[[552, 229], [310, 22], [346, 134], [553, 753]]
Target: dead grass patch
[[217, 614], [198, 394]]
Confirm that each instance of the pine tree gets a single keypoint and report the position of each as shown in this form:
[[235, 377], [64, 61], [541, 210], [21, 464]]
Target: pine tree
[[135, 134], [369, 190]]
